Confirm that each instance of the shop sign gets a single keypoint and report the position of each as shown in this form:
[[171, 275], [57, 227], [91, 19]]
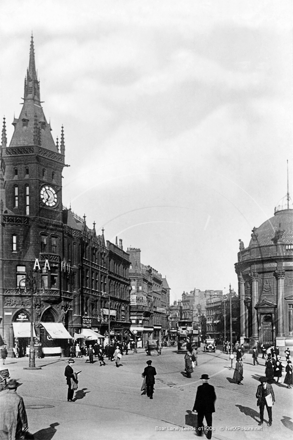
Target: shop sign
[[87, 322]]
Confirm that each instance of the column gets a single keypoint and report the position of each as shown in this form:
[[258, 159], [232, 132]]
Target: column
[[242, 307], [280, 275], [254, 300]]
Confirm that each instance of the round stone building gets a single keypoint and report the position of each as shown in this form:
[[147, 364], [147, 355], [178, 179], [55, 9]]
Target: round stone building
[[265, 279]]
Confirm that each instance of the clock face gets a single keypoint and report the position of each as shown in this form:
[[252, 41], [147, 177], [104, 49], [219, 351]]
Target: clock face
[[49, 196]]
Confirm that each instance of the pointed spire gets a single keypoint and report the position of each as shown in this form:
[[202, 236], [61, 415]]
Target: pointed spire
[[32, 63], [4, 134], [288, 191], [57, 145], [62, 141], [31, 83]]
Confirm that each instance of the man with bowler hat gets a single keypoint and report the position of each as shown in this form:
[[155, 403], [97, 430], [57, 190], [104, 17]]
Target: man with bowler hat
[[149, 373], [13, 418], [71, 378], [204, 405], [265, 398]]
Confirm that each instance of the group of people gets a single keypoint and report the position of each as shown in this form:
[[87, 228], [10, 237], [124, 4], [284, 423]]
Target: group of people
[[274, 368], [113, 351]]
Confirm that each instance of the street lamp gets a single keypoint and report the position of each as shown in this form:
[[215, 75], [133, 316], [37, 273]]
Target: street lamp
[[32, 283], [107, 295], [135, 348]]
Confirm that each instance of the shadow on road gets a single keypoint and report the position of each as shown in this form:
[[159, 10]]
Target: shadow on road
[[249, 412], [46, 433], [80, 394], [230, 380], [287, 422]]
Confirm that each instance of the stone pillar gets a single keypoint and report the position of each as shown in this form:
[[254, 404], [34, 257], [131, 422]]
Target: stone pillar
[[254, 300], [280, 275], [242, 308]]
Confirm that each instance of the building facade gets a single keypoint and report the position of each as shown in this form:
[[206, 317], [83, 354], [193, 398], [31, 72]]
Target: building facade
[[149, 300], [55, 271], [265, 275]]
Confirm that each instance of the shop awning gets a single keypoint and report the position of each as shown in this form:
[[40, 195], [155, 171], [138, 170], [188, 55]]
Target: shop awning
[[89, 334], [56, 330], [22, 330], [140, 329]]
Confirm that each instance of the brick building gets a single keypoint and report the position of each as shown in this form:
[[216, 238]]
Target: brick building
[[55, 271]]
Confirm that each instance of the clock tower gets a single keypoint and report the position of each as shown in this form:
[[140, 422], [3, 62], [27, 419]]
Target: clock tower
[[31, 227]]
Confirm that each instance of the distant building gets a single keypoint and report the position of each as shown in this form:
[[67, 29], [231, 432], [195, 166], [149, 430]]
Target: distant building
[[149, 300]]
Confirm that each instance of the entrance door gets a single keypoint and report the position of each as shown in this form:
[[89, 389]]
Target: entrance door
[[266, 331]]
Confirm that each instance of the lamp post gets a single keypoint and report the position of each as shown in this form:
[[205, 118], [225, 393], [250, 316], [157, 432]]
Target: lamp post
[[32, 283], [135, 348], [107, 295]]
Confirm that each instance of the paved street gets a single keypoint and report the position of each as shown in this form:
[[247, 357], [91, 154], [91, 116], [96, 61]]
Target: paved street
[[109, 403]]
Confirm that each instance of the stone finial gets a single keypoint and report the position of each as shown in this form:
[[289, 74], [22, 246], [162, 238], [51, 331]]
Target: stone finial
[[4, 134]]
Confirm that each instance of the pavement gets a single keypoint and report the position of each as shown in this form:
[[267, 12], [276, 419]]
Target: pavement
[[109, 404]]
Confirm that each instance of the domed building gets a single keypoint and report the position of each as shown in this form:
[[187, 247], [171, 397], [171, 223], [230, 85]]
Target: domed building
[[265, 279]]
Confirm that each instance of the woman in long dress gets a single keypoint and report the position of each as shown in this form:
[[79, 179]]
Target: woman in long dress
[[188, 364], [238, 372], [289, 374]]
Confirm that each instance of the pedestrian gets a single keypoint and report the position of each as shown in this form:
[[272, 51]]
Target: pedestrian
[[118, 357], [111, 352], [188, 364], [3, 354], [16, 350], [269, 370], [77, 350], [289, 376], [255, 356], [278, 369], [204, 405], [231, 359], [287, 353], [265, 398], [194, 355], [263, 350], [238, 354], [238, 372], [149, 373], [71, 380], [91, 354], [277, 351], [13, 417], [101, 357]]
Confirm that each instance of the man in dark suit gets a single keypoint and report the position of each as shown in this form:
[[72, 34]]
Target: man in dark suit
[[204, 405], [149, 373]]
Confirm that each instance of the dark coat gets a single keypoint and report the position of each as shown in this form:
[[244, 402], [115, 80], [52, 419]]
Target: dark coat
[[205, 399], [149, 373], [269, 371], [69, 373], [289, 376]]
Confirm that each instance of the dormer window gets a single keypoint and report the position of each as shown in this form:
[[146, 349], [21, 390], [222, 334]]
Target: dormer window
[[24, 122]]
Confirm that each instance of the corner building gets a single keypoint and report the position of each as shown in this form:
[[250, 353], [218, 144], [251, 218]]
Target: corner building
[[54, 269], [265, 276]]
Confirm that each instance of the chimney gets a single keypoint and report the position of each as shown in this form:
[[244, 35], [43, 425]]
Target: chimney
[[120, 244]]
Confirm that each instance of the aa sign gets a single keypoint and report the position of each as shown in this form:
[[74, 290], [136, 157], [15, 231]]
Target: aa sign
[[37, 265]]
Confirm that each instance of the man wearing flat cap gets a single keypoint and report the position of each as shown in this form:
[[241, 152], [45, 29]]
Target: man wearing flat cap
[[149, 373], [204, 405], [13, 418], [265, 398]]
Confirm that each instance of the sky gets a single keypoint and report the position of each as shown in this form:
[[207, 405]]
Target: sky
[[177, 117]]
